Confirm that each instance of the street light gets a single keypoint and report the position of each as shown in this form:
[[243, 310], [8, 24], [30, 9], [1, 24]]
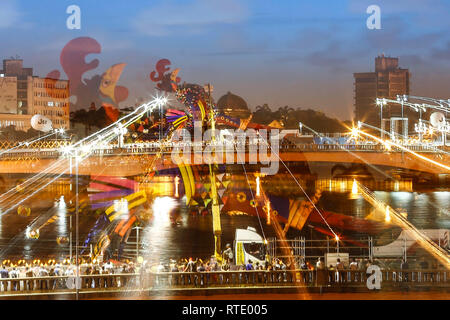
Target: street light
[[381, 103], [77, 159], [137, 241], [160, 102]]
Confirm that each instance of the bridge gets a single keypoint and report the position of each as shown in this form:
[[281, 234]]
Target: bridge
[[134, 159], [239, 281]]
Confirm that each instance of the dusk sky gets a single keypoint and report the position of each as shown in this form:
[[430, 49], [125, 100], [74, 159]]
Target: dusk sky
[[300, 53]]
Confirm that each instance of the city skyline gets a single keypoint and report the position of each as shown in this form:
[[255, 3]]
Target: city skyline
[[277, 55]]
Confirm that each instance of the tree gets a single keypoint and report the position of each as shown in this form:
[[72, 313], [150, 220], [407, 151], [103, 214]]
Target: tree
[[291, 117]]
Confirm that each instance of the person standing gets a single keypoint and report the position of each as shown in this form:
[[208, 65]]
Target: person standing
[[321, 274], [191, 266], [339, 272], [405, 276], [4, 274], [353, 269], [52, 281], [44, 282], [228, 254], [14, 275], [29, 284]]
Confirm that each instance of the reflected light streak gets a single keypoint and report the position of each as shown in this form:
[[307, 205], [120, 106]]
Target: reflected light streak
[[162, 206], [354, 187], [62, 217], [388, 215], [407, 150], [398, 219]]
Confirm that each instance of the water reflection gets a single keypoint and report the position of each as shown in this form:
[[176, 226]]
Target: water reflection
[[193, 235]]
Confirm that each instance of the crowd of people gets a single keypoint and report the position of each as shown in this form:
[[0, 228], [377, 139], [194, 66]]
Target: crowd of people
[[31, 276]]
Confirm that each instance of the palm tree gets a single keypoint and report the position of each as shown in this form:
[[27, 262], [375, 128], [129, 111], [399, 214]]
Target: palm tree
[[263, 114]]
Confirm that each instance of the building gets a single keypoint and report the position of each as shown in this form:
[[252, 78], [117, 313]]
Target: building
[[8, 95], [21, 122], [50, 98], [22, 93], [233, 106], [387, 81]]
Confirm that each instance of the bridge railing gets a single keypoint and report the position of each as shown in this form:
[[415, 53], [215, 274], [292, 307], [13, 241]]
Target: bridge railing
[[392, 279], [333, 278], [28, 153]]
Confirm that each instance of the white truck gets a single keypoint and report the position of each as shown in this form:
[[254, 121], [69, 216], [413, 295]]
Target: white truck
[[249, 245], [407, 239]]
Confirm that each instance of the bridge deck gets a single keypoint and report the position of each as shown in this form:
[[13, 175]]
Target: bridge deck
[[129, 162]]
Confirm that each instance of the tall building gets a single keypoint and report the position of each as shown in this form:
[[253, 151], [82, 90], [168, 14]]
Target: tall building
[[50, 98], [387, 81], [23, 95]]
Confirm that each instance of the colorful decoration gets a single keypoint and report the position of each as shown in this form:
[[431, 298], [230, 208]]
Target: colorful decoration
[[62, 241], [23, 211], [131, 201], [98, 89]]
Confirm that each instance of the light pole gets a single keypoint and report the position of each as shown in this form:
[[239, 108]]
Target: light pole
[[137, 241], [77, 279], [70, 223], [402, 99], [381, 103]]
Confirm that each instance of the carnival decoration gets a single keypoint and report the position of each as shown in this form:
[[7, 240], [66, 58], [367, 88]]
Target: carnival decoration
[[23, 211], [437, 119], [100, 89], [41, 123], [62, 241]]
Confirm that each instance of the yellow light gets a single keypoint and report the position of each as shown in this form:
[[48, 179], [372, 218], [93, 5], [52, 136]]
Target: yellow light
[[258, 187], [337, 238], [140, 259], [177, 182], [162, 206], [409, 151], [388, 215], [354, 187]]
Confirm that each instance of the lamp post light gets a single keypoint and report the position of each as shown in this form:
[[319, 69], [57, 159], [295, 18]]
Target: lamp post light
[[337, 243], [402, 99], [77, 279], [381, 103], [421, 128], [137, 241], [161, 102], [120, 131]]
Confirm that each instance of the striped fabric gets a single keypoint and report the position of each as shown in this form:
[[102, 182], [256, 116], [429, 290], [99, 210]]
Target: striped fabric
[[133, 200]]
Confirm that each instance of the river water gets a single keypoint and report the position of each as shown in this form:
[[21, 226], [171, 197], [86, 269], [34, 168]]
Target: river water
[[193, 236]]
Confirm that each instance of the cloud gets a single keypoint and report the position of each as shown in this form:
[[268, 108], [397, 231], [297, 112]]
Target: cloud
[[330, 57], [9, 14], [195, 16], [442, 54], [397, 6]]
